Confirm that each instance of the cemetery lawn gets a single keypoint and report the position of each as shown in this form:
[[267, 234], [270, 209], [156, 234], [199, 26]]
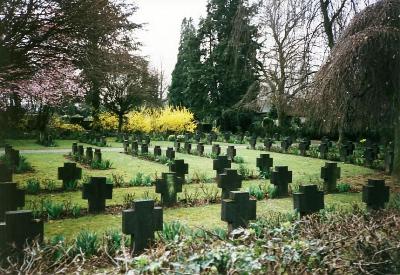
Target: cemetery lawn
[[207, 217], [304, 169]]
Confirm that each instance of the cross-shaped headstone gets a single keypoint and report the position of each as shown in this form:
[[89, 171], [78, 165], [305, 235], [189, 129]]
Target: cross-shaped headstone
[[281, 178], [168, 186], [69, 173], [135, 148], [228, 181], [326, 140], [268, 144], [141, 222], [330, 174], [389, 158], [304, 146], [180, 168], [96, 192], [308, 200], [238, 210], [10, 198], [323, 150], [89, 154], [200, 149], [220, 164], [264, 163], [157, 151], [231, 152], [74, 148], [144, 148], [253, 142], [170, 153], [375, 194], [97, 155], [177, 145], [19, 227], [6, 174], [216, 149], [370, 156], [187, 147]]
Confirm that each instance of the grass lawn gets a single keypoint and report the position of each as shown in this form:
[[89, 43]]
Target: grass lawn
[[207, 217]]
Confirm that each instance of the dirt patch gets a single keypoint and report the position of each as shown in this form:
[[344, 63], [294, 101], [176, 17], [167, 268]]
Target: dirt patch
[[357, 182]]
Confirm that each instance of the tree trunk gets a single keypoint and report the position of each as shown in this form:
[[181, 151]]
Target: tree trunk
[[328, 28], [396, 163], [120, 122], [341, 135]]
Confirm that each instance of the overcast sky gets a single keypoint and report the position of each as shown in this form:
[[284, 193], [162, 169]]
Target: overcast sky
[[161, 34]]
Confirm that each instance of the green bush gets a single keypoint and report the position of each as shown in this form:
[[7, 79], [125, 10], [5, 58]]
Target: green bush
[[53, 210], [238, 159], [32, 186], [101, 165], [71, 185], [343, 187], [76, 211], [272, 192], [87, 243], [257, 192], [141, 180], [244, 172], [117, 180], [49, 184], [172, 231], [113, 240]]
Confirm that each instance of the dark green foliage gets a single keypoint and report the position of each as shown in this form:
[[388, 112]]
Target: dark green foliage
[[141, 180], [32, 186], [343, 187], [87, 243], [101, 165]]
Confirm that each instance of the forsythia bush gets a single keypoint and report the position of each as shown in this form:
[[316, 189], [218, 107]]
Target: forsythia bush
[[175, 120], [57, 124], [108, 121], [164, 120], [140, 121]]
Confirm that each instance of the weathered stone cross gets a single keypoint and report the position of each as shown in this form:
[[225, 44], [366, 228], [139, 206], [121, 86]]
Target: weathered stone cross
[[281, 178], [168, 186], [238, 210], [69, 173], [330, 174], [96, 192], [308, 200]]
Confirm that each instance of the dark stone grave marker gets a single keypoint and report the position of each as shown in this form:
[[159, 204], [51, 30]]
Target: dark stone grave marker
[[6, 174], [216, 149], [89, 154], [10, 198], [126, 146], [141, 222], [253, 142], [97, 155], [281, 178], [330, 174], [375, 194], [200, 149], [74, 148], [323, 150], [180, 168], [370, 156], [228, 181], [238, 210], [220, 164], [389, 158], [144, 148], [177, 145], [170, 153], [231, 152], [168, 186], [304, 146], [19, 228], [69, 173], [96, 192], [157, 151], [264, 163], [80, 151], [346, 150], [135, 148], [187, 147], [308, 200]]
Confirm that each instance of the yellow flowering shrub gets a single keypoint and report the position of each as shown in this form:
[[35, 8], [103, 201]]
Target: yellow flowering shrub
[[108, 121], [175, 120], [57, 124], [165, 120], [140, 121]]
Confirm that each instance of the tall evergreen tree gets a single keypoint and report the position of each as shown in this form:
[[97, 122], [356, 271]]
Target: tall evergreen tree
[[218, 64]]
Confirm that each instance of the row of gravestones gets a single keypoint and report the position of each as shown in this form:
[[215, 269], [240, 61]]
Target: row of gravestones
[[215, 149], [138, 138], [133, 148], [90, 156], [93, 138], [371, 150]]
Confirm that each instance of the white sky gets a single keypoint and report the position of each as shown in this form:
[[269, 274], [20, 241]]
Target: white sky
[[160, 36]]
